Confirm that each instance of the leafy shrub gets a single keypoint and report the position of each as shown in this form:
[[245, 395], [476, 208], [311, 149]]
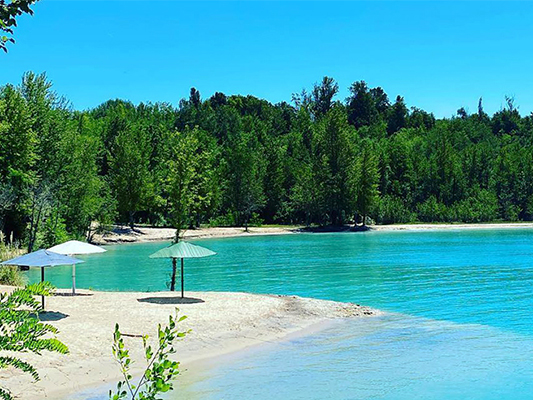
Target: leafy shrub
[[480, 208], [255, 220], [229, 219], [433, 211], [11, 275], [21, 331], [54, 232], [510, 212], [392, 210], [160, 370], [9, 249]]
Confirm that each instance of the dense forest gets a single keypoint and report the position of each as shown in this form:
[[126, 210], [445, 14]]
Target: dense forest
[[238, 160]]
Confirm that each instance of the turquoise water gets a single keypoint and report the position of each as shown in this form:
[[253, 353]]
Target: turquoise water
[[460, 323]]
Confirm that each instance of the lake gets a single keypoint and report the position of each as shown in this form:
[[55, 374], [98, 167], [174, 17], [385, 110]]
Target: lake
[[459, 324]]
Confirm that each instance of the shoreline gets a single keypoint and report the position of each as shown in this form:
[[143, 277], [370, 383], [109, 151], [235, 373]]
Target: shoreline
[[191, 369], [219, 327], [457, 226], [149, 234]]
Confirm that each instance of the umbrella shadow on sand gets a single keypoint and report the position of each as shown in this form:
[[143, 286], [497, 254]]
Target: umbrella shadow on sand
[[50, 316], [171, 300]]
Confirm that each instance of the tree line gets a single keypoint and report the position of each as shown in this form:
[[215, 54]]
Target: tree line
[[239, 160]]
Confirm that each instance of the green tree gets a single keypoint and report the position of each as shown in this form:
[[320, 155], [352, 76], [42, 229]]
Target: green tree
[[129, 172], [334, 153], [179, 177], [17, 157], [306, 193], [363, 104], [365, 183], [322, 96], [244, 169], [398, 116]]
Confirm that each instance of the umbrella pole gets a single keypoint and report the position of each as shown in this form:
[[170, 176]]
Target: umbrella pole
[[73, 279], [182, 278], [42, 280], [173, 279]]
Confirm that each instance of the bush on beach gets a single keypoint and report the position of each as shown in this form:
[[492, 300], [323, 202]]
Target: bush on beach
[[10, 275]]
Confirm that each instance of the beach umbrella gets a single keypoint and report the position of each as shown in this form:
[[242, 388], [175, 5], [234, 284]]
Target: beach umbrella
[[42, 259], [181, 250], [75, 247]]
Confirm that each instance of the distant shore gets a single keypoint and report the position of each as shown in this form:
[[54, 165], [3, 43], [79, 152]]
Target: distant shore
[[219, 326], [438, 226], [148, 234]]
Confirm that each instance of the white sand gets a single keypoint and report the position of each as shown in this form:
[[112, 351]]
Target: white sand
[[147, 234], [220, 323], [428, 227]]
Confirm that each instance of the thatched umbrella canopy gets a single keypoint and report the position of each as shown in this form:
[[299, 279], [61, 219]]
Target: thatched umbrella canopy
[[181, 250]]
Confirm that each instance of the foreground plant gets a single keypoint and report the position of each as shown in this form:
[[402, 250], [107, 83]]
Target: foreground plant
[[160, 370], [21, 331]]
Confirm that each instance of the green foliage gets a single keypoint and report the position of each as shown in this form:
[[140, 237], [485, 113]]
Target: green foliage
[[10, 275], [240, 160], [226, 220], [365, 183], [53, 232], [21, 331], [364, 105], [392, 210], [9, 12], [334, 148], [432, 211], [129, 172], [398, 116], [48, 165], [160, 370], [188, 178]]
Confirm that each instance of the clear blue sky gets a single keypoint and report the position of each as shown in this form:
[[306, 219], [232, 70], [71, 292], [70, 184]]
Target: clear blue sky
[[438, 55]]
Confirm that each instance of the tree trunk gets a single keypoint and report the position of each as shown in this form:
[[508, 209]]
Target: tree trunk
[[132, 225], [34, 229], [173, 279], [32, 222]]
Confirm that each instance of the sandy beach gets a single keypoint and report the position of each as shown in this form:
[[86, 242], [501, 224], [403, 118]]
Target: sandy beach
[[221, 323], [434, 227], [147, 234]]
